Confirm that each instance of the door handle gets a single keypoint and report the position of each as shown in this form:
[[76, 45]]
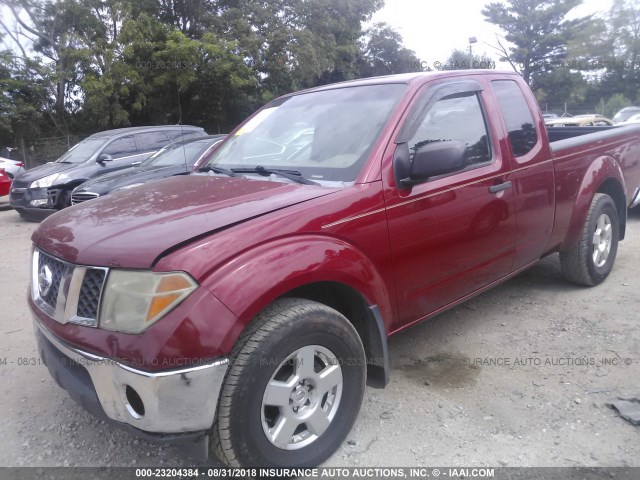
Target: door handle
[[501, 187]]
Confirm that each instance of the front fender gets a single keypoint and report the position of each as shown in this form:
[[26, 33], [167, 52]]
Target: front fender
[[249, 282], [601, 170]]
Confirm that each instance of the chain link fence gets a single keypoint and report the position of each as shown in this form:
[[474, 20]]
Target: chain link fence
[[41, 150], [572, 109]]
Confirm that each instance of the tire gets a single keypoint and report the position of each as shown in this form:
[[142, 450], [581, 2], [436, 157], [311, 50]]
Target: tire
[[64, 200], [592, 259], [249, 430]]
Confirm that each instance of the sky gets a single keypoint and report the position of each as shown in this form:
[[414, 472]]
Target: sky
[[434, 29]]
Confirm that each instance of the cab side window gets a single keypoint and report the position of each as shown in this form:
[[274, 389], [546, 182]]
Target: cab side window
[[517, 116], [456, 117], [121, 147]]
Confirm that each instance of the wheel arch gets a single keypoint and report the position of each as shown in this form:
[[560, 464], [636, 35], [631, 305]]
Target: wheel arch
[[603, 176], [324, 269], [615, 190]]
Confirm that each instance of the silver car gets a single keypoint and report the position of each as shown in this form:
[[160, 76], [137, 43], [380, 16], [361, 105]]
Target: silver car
[[12, 167]]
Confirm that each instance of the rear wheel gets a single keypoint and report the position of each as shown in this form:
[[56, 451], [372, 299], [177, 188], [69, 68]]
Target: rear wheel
[[591, 261], [293, 390]]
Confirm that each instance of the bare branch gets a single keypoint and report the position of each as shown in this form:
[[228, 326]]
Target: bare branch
[[28, 28], [504, 52], [15, 38]]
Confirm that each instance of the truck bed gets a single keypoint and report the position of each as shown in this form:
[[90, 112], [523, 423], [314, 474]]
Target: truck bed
[[562, 133]]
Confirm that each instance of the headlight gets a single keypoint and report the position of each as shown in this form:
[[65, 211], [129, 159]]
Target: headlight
[[49, 180], [132, 301], [45, 182]]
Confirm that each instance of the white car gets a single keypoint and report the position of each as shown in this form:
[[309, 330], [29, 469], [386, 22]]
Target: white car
[[12, 167], [633, 119]]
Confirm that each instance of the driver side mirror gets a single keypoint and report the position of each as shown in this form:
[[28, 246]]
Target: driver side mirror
[[104, 157], [429, 160]]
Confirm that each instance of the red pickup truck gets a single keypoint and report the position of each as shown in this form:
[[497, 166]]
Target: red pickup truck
[[250, 303]]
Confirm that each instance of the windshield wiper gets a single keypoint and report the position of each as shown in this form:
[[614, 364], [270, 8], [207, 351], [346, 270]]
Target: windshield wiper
[[221, 170], [293, 175]]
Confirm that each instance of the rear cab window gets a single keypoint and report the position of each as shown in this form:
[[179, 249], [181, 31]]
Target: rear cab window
[[519, 121]]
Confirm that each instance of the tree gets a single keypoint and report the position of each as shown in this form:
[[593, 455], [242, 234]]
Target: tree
[[537, 30], [383, 52], [25, 102], [82, 65], [61, 31], [461, 60], [554, 88], [623, 74], [293, 44]]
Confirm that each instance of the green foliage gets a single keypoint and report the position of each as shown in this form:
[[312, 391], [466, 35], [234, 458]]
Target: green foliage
[[537, 30], [624, 54], [558, 86], [383, 53], [461, 60], [98, 64], [588, 63], [615, 103]]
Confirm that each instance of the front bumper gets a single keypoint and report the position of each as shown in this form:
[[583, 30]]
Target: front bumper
[[36, 203], [164, 403]]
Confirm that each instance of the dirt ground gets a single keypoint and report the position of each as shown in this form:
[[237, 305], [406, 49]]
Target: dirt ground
[[519, 376]]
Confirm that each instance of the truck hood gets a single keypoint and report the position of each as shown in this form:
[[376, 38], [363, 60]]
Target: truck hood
[[132, 228]]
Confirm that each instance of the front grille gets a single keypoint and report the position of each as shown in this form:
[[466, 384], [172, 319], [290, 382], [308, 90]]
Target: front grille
[[50, 273], [89, 300], [82, 197], [67, 292]]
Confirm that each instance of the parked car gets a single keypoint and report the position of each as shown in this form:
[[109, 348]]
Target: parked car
[[252, 302], [624, 114], [47, 188], [5, 186], [177, 158], [12, 167], [633, 119], [580, 121]]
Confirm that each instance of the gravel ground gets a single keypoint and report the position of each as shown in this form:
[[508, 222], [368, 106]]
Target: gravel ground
[[519, 376]]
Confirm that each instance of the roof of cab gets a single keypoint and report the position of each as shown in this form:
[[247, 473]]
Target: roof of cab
[[406, 78]]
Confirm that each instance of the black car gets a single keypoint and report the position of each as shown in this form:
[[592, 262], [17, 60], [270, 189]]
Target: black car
[[177, 158], [45, 189]]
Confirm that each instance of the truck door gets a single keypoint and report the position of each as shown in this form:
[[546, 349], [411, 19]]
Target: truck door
[[454, 233], [532, 172]]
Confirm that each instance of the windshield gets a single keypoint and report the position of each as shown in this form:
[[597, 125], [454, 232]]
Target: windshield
[[178, 154], [81, 152], [324, 135]]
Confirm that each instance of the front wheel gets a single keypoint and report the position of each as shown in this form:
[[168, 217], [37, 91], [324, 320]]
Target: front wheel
[[293, 390], [591, 261]]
